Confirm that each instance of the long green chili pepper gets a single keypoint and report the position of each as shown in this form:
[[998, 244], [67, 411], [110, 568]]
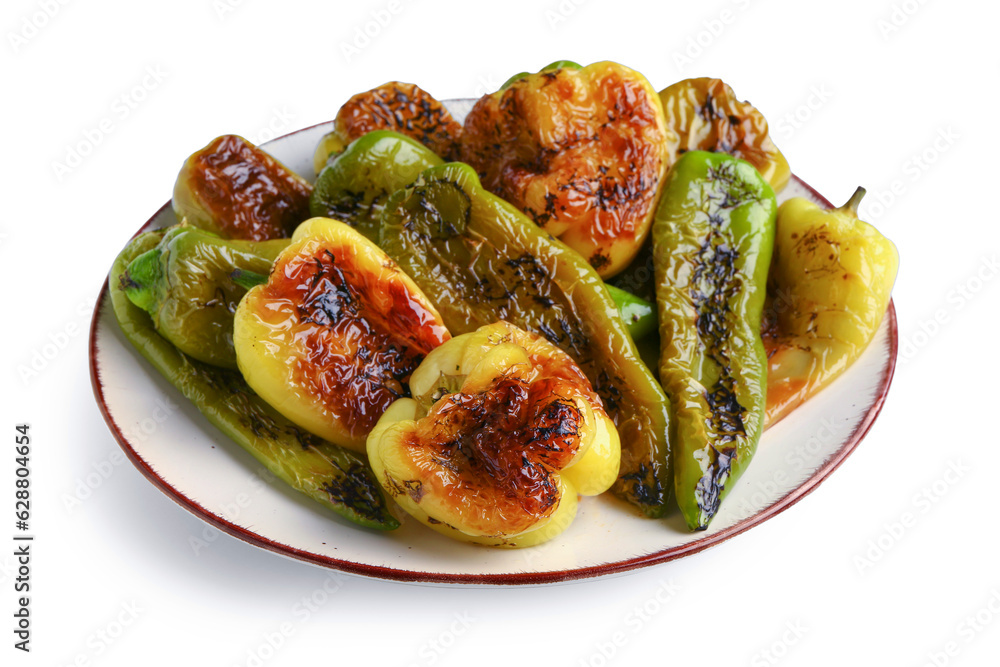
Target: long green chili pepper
[[186, 285], [333, 476], [480, 260], [712, 241]]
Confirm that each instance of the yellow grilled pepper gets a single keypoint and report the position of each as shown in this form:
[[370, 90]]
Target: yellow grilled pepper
[[502, 433], [705, 115], [331, 339], [829, 287], [582, 151]]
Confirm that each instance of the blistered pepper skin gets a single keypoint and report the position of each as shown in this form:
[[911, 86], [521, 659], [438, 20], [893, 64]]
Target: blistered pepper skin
[[332, 337], [829, 288], [335, 477], [355, 185], [705, 114], [581, 151], [712, 244], [400, 107], [503, 432], [186, 285], [236, 190], [480, 260]]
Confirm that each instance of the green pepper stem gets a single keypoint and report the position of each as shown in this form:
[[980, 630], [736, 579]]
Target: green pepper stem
[[247, 279], [854, 202], [140, 278]]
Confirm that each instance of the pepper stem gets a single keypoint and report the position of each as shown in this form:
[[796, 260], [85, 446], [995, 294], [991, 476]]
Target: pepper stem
[[854, 202], [140, 279], [247, 279]]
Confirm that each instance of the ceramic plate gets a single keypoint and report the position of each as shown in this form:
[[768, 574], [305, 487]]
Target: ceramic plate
[[188, 459]]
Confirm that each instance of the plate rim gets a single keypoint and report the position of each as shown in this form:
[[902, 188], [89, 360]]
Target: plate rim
[[498, 579]]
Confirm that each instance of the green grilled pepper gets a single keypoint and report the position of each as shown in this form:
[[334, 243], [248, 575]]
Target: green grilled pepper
[[712, 241], [639, 314], [335, 477], [354, 186], [480, 260], [186, 284]]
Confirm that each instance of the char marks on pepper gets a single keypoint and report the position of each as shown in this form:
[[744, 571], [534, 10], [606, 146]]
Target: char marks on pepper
[[362, 334], [508, 441], [715, 283], [404, 108], [250, 195]]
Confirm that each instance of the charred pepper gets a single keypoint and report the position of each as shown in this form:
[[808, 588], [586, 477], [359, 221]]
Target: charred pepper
[[355, 185], [331, 338], [712, 243], [580, 150], [187, 285], [502, 433], [706, 115], [337, 478], [238, 191], [480, 260], [403, 107], [829, 287]]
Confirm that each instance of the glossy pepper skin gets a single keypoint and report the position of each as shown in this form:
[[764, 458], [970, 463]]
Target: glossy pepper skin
[[186, 285], [238, 191], [355, 185], [501, 435], [706, 115], [331, 338], [480, 260], [639, 315], [402, 107], [337, 478], [559, 64], [829, 288], [712, 244], [581, 151]]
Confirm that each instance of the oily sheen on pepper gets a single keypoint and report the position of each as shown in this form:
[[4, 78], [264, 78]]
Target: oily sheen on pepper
[[331, 339]]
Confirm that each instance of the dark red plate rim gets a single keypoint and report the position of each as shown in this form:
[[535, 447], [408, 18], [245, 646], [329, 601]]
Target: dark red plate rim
[[511, 578]]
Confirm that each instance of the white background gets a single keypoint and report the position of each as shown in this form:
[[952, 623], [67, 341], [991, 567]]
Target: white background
[[837, 579]]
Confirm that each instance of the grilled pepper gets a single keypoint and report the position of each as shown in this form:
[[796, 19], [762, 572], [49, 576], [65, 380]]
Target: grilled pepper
[[829, 287], [559, 64], [705, 115], [480, 260], [502, 433], [337, 478], [353, 188], [238, 191], [334, 334], [582, 151], [186, 284], [712, 243], [639, 315], [402, 107]]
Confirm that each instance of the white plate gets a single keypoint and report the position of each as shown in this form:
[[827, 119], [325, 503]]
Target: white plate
[[188, 459]]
